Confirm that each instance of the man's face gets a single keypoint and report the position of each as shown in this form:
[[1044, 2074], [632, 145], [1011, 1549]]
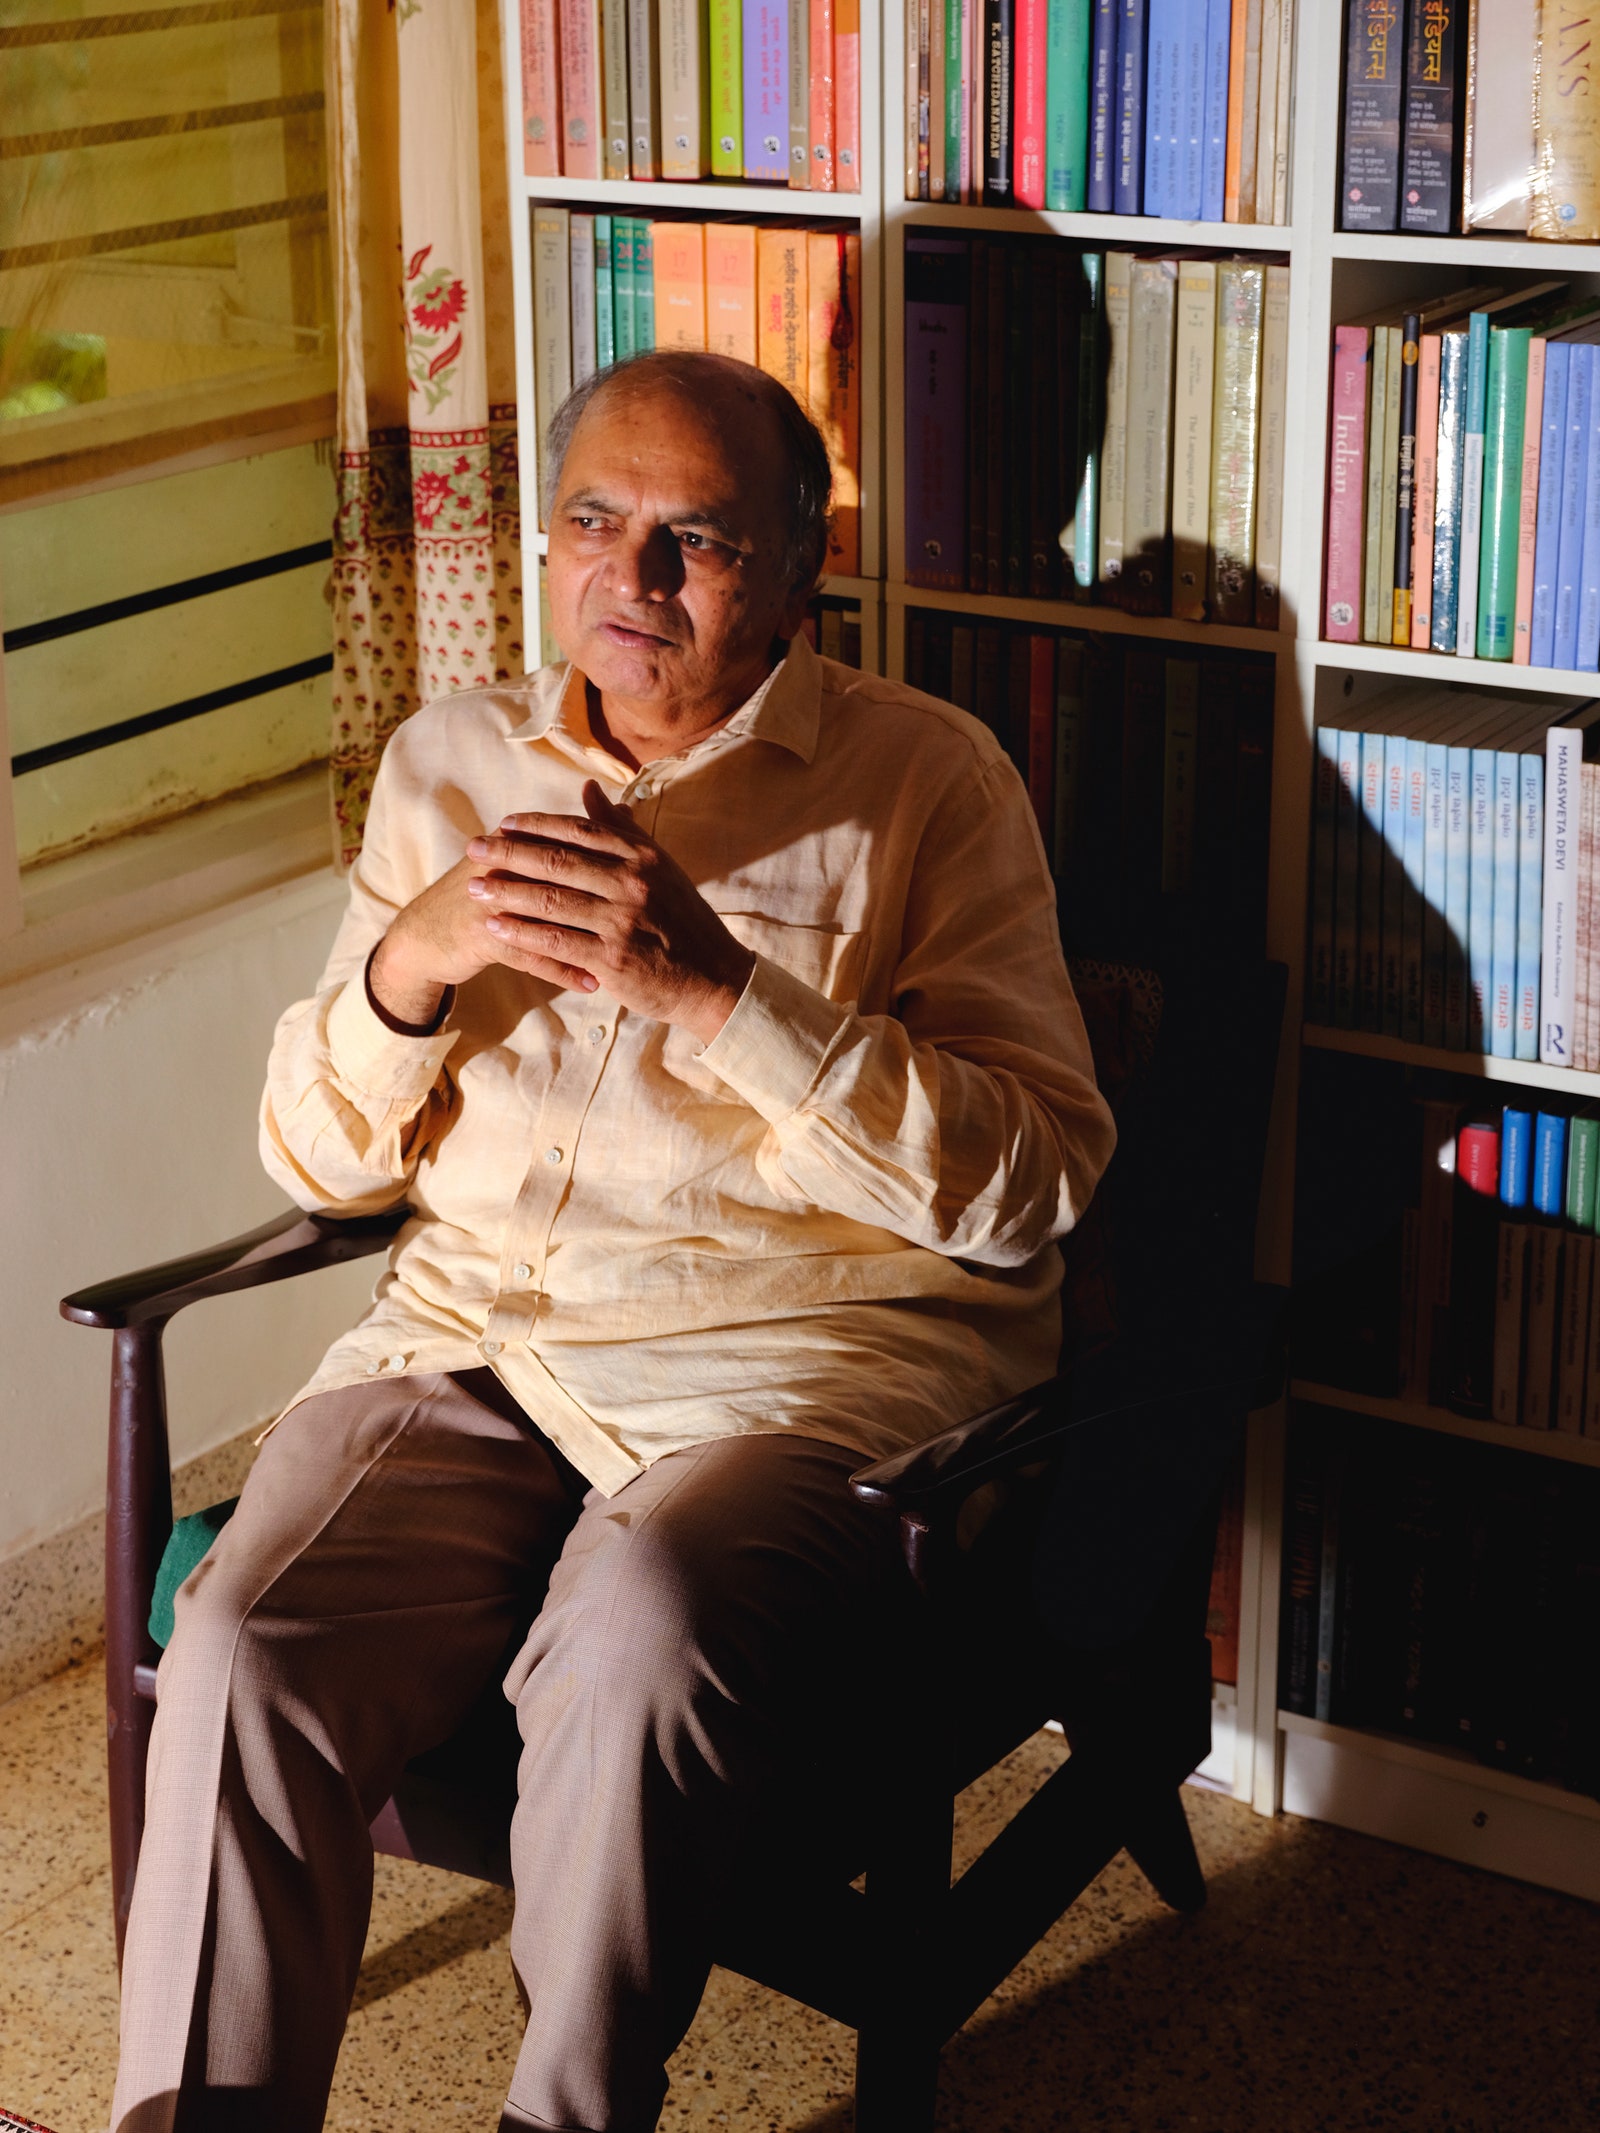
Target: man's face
[[666, 581]]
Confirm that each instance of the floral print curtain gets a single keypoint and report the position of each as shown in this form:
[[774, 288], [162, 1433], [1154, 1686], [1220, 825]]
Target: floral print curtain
[[427, 581]]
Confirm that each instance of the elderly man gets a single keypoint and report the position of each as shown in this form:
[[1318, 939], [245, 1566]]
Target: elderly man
[[704, 1001]]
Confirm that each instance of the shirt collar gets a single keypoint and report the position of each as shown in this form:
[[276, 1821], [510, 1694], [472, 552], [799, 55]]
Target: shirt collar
[[786, 709]]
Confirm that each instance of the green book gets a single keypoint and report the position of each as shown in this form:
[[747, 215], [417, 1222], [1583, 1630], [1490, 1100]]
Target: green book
[[605, 327], [726, 24], [622, 284], [1066, 111], [1583, 1158], [954, 98], [1504, 408], [644, 286]]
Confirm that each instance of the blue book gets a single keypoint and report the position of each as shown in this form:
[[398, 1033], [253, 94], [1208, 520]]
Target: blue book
[[1411, 923], [1188, 194], [1511, 1265], [1587, 657], [1530, 901], [1163, 75], [1574, 483], [1516, 1157], [766, 90], [1480, 898], [1369, 926], [1347, 891], [1392, 946], [1127, 189], [1549, 1188], [1472, 483], [1102, 106], [1324, 865], [1214, 160], [1433, 894], [1547, 535], [605, 330], [1503, 924], [1457, 893]]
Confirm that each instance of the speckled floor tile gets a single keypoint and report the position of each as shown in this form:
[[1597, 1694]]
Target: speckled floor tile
[[1333, 1984]]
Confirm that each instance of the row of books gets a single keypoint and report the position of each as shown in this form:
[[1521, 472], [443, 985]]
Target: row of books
[[1455, 892], [787, 298], [1150, 774], [1443, 1591], [1127, 107], [1469, 118], [1108, 427], [767, 90], [1464, 478]]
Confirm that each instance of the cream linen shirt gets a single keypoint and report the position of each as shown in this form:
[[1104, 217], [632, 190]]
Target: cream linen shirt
[[838, 1217]]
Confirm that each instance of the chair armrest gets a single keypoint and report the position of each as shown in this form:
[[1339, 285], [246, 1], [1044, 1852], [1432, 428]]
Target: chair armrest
[[291, 1243]]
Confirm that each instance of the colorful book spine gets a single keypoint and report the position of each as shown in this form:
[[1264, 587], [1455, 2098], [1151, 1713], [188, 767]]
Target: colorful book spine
[[624, 309], [1393, 342], [1214, 157], [1430, 187], [1426, 491], [1030, 61], [1324, 864], [726, 38], [1271, 447], [1511, 1271], [1436, 944], [847, 93], [1127, 177], [1563, 765], [1502, 1003], [1528, 501], [541, 90], [1480, 899], [782, 304], [1066, 129], [614, 86], [1238, 39], [1189, 185], [956, 102], [1374, 586], [1473, 1254], [935, 342], [1369, 190], [1506, 399], [581, 269], [1249, 105], [1162, 105], [644, 88], [731, 289], [581, 130], [1450, 461], [766, 91], [1352, 346], [679, 270], [1547, 531], [1102, 105], [644, 285], [1192, 458], [1405, 480], [605, 317], [1347, 885], [1457, 894], [1241, 296], [833, 340], [1530, 890], [685, 98], [1472, 483], [1574, 506], [1565, 202], [797, 64]]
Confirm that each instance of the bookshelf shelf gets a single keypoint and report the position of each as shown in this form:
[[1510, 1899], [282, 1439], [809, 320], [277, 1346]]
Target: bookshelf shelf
[[1436, 667], [704, 196], [1415, 1414], [1529, 1074], [1455, 1763], [1471, 251], [1070, 614], [1116, 231]]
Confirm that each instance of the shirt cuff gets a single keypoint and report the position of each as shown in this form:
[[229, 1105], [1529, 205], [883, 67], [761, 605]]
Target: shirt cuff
[[776, 1042], [381, 1061]]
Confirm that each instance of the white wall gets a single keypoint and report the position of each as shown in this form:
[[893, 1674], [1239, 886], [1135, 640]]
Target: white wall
[[128, 1094]]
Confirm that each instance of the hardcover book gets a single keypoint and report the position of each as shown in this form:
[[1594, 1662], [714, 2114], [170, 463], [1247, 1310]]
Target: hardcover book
[[1436, 51], [766, 91], [935, 342], [1369, 189], [1241, 293]]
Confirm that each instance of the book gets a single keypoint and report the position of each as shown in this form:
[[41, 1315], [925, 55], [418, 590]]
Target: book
[[624, 287], [1127, 174], [615, 153], [1528, 500], [833, 394], [1564, 204], [1114, 448], [580, 243], [998, 22], [1374, 605], [1373, 846], [1566, 746], [1197, 342], [765, 38], [1405, 480], [1547, 1199], [1473, 1262], [1238, 40], [1498, 143], [935, 356], [1434, 132], [1152, 318], [552, 316], [820, 117], [1511, 1265], [1347, 482], [541, 90], [644, 88], [1450, 465], [1577, 1333], [1347, 882], [1472, 434], [1501, 1006], [797, 97], [1506, 394], [685, 90], [1425, 491], [847, 94], [1083, 482], [605, 320], [1271, 447], [1369, 185], [1530, 892], [1102, 148], [1041, 730], [977, 415], [1163, 106], [1214, 155], [731, 289], [782, 304], [1030, 59], [1180, 746], [1267, 107], [1067, 780], [1241, 292], [644, 285], [1574, 505], [1021, 449], [725, 25], [1325, 824], [581, 130], [1547, 531], [680, 283], [1066, 129], [1249, 107]]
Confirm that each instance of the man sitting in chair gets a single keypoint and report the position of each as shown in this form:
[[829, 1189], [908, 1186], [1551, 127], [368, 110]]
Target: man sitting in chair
[[704, 1001]]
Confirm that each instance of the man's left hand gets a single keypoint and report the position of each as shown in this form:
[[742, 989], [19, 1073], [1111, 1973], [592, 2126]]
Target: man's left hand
[[593, 892]]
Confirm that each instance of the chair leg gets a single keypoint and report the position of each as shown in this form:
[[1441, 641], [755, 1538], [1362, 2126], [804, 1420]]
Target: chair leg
[[908, 1896], [1160, 1845]]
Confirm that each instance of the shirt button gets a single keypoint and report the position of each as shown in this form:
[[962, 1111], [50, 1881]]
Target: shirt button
[[491, 1347], [598, 1034], [395, 1362], [522, 1271], [552, 1155], [643, 792]]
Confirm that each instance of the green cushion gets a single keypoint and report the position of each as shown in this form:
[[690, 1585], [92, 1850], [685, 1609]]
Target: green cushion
[[191, 1539]]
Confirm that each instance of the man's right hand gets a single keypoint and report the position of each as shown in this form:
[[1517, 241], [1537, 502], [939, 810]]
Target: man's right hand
[[438, 940]]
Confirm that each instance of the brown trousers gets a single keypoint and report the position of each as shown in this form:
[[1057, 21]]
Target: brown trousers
[[389, 1541]]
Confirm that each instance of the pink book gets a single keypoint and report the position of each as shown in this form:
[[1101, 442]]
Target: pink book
[[1528, 518], [580, 88], [1347, 461], [541, 90], [1427, 487], [1027, 124], [823, 178], [847, 94]]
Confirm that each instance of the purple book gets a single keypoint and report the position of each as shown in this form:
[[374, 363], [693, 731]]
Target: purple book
[[936, 412], [766, 90]]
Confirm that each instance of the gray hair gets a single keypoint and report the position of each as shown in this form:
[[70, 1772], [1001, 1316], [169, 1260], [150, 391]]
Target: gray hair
[[810, 479]]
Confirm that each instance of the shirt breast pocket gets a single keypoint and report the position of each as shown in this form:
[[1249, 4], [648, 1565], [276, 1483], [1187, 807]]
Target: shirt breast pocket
[[827, 958]]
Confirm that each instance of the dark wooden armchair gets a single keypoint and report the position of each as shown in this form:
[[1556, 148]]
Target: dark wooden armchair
[[1082, 1599]]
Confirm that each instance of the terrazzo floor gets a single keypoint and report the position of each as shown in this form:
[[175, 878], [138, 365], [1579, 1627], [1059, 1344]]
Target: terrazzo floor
[[1332, 1982]]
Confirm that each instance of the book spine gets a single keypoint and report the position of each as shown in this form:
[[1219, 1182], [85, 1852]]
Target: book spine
[[1392, 924], [937, 99], [1547, 1195], [1114, 447], [731, 289], [552, 318], [1324, 865], [1163, 63], [1352, 347], [581, 131], [766, 91], [1347, 885], [1089, 424], [1503, 927], [1267, 107], [1030, 60], [996, 415], [1280, 159], [1369, 935], [1405, 480], [1270, 452], [1214, 161], [644, 88], [911, 89], [1457, 893], [935, 340], [957, 180], [1067, 781], [1392, 338], [1374, 604], [605, 322], [1472, 484], [847, 94], [1067, 106], [977, 417], [1369, 190], [797, 88], [1193, 57], [833, 342], [685, 91], [1427, 481], [1511, 1271], [1528, 502], [581, 266], [1102, 105], [1435, 942], [1249, 105], [1041, 729], [999, 60], [1241, 294], [1430, 188], [1195, 366], [1577, 1334], [1474, 1246], [824, 169], [1178, 787], [1547, 534], [1505, 407], [726, 28], [1302, 1573], [1246, 921], [1480, 898], [782, 305], [541, 90], [1589, 886], [1022, 451], [1583, 931], [1565, 203], [1586, 655], [1146, 554], [644, 285], [679, 276], [614, 86], [1530, 890], [1574, 507], [1411, 951], [1447, 509], [1127, 188]]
